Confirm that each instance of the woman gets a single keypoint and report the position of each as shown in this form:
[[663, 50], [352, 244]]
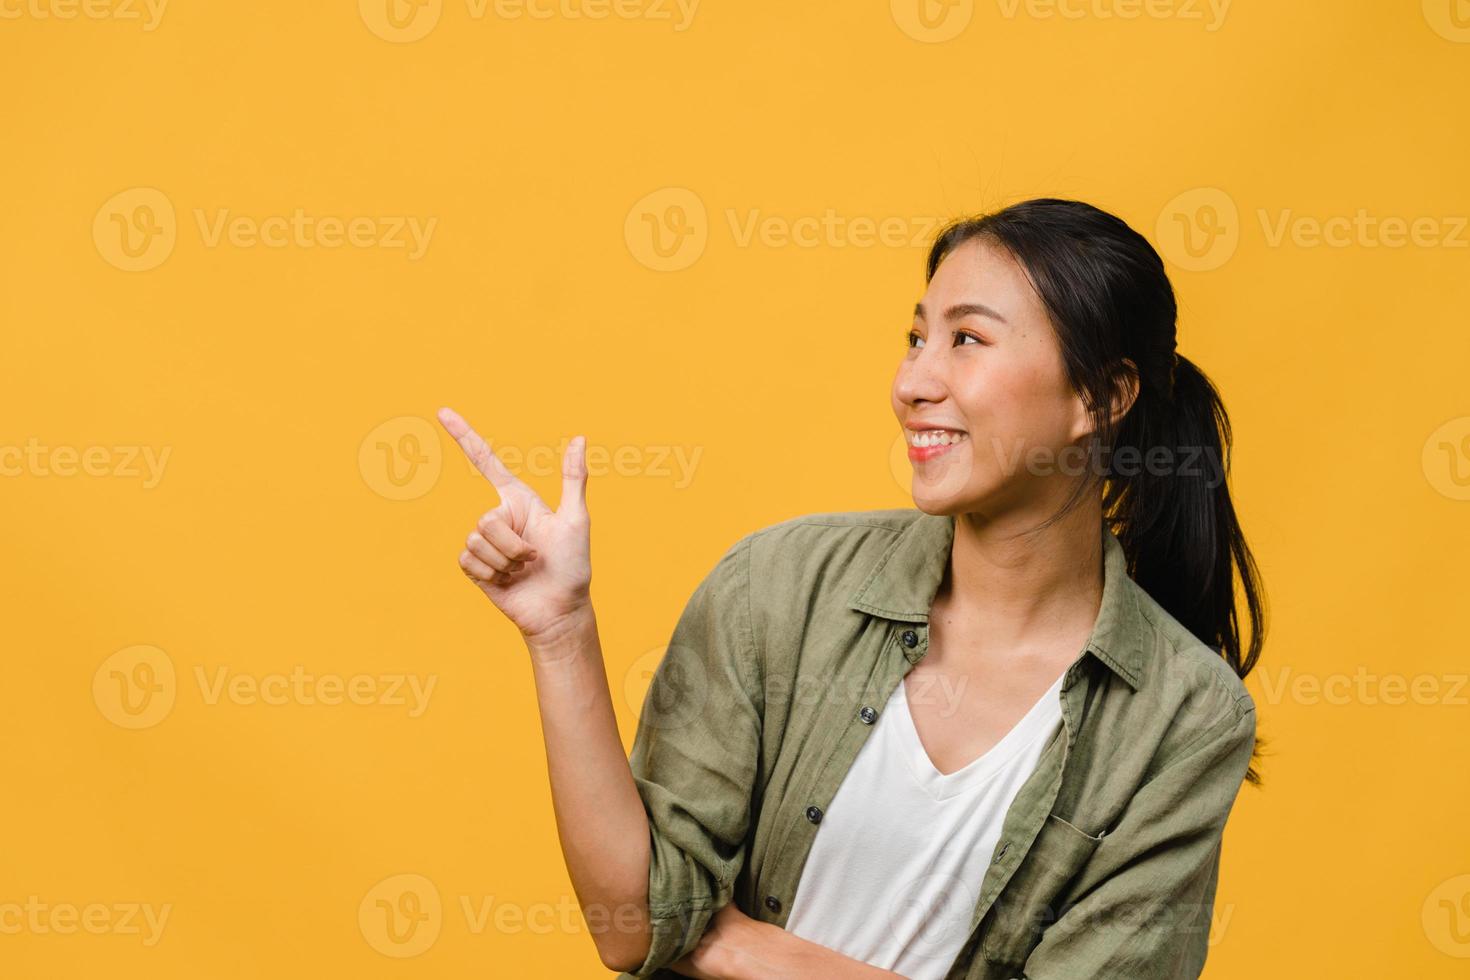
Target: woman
[[998, 735]]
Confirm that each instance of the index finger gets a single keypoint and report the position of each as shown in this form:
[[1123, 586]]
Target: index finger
[[477, 449]]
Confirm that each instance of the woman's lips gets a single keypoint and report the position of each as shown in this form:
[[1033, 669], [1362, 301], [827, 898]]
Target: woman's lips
[[919, 454]]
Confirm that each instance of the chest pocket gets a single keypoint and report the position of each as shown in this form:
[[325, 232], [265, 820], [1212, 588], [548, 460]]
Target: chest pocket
[[1029, 902]]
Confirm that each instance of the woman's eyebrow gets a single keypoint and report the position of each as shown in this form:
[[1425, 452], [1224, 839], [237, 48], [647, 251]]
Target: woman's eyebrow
[[961, 310]]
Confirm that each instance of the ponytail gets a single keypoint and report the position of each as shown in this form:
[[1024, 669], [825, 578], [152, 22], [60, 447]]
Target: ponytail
[[1178, 525]]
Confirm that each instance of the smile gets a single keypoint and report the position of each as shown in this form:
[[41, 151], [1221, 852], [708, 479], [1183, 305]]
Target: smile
[[926, 444], [935, 437]]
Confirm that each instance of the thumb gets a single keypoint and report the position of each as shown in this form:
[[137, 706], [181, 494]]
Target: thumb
[[574, 478]]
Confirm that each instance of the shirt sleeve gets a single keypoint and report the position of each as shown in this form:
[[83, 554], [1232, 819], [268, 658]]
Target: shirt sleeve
[[1149, 915], [694, 759]]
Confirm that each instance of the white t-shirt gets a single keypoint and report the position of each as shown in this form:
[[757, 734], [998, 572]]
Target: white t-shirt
[[894, 873]]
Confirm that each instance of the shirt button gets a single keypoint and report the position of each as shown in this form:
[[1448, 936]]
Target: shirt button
[[868, 715], [773, 903], [910, 639], [814, 814]]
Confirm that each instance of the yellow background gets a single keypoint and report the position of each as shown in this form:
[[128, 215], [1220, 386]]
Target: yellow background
[[282, 381]]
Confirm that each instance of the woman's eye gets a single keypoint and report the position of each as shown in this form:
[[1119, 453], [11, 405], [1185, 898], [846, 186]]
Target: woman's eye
[[915, 341]]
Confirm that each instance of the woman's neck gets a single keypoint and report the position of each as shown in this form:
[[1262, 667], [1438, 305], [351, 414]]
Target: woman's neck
[[1020, 590]]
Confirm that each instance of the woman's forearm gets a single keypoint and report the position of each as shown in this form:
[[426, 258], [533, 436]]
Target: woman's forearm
[[535, 564], [594, 796], [737, 947], [788, 956]]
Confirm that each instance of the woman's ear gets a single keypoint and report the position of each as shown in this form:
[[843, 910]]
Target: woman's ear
[[1124, 394], [1125, 391]]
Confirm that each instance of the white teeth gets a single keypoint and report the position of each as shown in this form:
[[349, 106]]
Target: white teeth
[[935, 437]]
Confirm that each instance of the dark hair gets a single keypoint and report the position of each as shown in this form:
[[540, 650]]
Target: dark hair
[[1111, 303]]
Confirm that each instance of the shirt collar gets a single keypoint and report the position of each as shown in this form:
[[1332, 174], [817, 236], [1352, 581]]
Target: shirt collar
[[903, 582]]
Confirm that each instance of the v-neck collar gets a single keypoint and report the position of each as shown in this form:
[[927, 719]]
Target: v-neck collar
[[1039, 720]]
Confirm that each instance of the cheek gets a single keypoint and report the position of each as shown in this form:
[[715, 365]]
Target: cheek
[[1019, 401]]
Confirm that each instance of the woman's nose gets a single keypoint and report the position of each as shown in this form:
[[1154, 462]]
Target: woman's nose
[[920, 379]]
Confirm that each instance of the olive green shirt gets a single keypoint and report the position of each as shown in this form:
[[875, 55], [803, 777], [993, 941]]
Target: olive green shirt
[[1108, 857]]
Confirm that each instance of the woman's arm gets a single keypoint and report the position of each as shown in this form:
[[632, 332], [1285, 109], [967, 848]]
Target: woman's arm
[[534, 564], [592, 789], [1148, 916], [737, 947]]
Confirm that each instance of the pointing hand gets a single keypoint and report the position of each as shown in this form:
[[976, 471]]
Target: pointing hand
[[533, 562]]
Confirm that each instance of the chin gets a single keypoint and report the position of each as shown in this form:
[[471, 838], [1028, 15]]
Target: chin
[[943, 498], [939, 503]]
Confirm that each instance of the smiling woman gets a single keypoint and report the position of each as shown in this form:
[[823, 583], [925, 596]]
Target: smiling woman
[[994, 735]]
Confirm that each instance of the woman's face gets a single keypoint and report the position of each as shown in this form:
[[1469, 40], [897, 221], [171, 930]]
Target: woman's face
[[983, 366]]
